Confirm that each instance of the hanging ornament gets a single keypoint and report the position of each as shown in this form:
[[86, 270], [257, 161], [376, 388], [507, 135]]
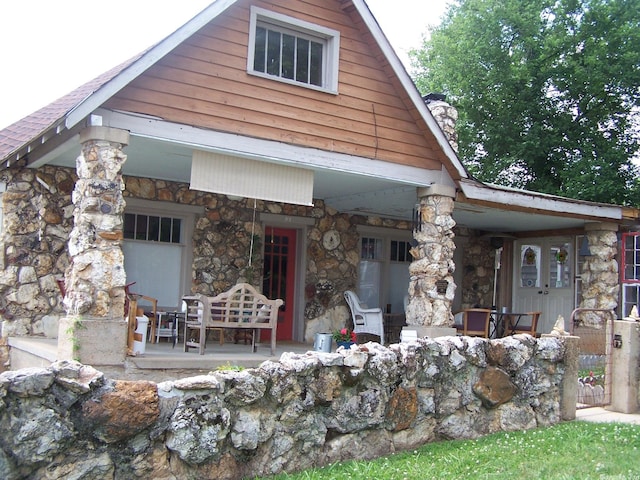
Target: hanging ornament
[[529, 256], [561, 256]]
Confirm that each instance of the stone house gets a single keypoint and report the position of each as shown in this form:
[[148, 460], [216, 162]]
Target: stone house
[[280, 143]]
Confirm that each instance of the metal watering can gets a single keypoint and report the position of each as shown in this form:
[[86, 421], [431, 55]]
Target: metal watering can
[[322, 342]]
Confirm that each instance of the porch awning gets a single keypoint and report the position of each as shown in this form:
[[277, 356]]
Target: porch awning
[[244, 177]]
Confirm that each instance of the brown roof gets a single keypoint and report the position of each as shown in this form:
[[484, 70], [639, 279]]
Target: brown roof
[[22, 132]]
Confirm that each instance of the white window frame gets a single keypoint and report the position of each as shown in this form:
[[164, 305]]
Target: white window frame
[[630, 281], [328, 37], [187, 215]]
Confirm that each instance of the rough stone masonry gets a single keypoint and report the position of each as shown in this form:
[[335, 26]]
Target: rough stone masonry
[[299, 412]]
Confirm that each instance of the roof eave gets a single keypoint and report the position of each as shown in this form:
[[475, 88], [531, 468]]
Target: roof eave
[[409, 86], [526, 200], [149, 58]]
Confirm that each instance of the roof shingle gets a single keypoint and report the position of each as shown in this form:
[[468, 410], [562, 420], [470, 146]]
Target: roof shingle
[[22, 132]]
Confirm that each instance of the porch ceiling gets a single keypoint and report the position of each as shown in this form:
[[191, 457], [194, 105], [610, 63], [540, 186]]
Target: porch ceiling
[[346, 192]]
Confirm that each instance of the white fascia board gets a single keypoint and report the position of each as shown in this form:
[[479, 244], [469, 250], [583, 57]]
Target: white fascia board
[[97, 98], [409, 86], [270, 151], [538, 201]]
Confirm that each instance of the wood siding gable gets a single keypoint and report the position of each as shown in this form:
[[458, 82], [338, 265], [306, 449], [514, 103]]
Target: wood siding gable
[[204, 82]]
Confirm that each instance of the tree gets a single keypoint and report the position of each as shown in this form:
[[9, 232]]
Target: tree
[[548, 92]]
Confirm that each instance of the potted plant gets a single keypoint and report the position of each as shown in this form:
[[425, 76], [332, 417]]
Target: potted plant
[[344, 337]]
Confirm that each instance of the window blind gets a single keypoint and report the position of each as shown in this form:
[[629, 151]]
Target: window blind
[[243, 177]]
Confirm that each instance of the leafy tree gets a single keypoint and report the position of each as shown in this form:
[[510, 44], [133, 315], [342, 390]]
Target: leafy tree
[[548, 92]]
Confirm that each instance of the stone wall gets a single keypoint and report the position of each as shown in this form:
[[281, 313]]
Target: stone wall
[[478, 260], [302, 411], [38, 220]]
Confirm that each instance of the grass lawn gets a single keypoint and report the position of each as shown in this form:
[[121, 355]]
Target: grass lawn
[[573, 450]]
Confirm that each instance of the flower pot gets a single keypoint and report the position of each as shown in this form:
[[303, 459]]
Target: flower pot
[[346, 345]]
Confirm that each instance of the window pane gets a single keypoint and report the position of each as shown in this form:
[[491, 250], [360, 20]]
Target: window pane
[[394, 251], [260, 50], [302, 61], [371, 249], [286, 53], [154, 229], [630, 298], [273, 53], [288, 56], [165, 230], [175, 235], [141, 227], [315, 74], [129, 227]]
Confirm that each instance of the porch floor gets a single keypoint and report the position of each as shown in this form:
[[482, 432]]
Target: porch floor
[[161, 361]]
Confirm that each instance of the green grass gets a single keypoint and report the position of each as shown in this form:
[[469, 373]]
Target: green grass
[[227, 367], [574, 450]]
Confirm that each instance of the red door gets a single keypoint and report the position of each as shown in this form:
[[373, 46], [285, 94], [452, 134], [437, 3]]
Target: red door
[[279, 275]]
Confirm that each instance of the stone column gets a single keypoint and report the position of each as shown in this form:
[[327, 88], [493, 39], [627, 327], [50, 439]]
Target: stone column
[[569, 384], [94, 330], [600, 280], [624, 366], [431, 285]]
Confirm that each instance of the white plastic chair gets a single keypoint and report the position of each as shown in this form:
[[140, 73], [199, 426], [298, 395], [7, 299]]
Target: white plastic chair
[[365, 320]]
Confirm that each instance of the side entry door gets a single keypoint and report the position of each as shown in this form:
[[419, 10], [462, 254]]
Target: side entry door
[[279, 275], [544, 279]]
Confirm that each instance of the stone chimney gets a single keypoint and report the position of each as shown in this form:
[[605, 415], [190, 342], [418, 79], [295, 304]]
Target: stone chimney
[[445, 115]]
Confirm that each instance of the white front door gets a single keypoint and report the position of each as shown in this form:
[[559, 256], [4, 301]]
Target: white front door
[[544, 279]]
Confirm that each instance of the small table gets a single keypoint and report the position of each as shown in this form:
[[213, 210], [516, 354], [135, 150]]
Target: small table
[[499, 323], [167, 327]]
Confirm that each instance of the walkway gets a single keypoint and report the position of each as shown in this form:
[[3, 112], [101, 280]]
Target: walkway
[[601, 415]]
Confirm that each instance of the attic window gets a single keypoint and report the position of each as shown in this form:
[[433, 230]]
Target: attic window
[[293, 51]]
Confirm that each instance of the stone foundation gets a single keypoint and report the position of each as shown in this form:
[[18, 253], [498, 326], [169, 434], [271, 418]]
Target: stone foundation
[[302, 411]]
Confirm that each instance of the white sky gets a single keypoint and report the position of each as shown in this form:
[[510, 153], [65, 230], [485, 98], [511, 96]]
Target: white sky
[[48, 48]]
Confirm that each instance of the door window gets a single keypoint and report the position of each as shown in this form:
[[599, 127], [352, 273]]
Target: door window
[[560, 265], [530, 266]]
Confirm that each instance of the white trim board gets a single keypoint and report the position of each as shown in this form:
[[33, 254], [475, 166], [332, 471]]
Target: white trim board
[[271, 151]]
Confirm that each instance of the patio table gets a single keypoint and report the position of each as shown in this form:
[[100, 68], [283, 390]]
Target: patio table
[[500, 322]]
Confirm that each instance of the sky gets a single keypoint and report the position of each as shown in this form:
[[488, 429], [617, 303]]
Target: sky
[[48, 48]]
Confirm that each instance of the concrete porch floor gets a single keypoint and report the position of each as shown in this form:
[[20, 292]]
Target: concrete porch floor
[[161, 361]]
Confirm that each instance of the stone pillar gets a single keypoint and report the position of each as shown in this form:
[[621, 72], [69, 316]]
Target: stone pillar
[[569, 385], [446, 116], [624, 367], [94, 330], [600, 280], [431, 285]]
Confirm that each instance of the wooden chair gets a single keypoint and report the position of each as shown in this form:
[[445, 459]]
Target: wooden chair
[[475, 322], [526, 328]]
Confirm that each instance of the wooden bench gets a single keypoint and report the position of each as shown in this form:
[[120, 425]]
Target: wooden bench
[[240, 307]]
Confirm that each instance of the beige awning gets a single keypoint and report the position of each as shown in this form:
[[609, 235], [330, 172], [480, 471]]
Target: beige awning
[[244, 177]]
